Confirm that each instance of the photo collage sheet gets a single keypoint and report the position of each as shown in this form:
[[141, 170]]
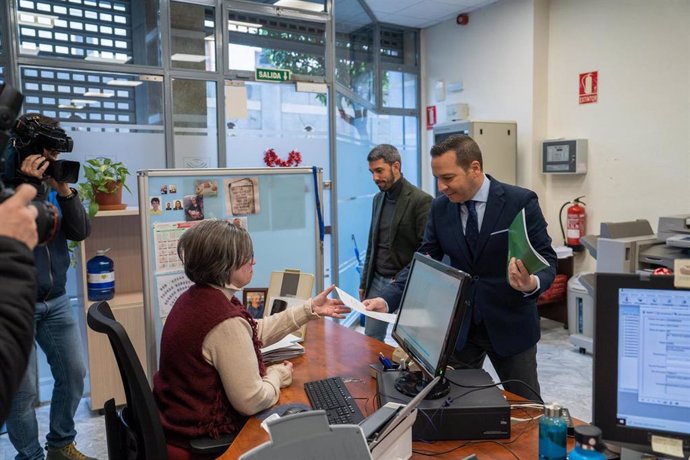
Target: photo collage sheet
[[180, 203]]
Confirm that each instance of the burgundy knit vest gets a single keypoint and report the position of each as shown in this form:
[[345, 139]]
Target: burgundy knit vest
[[188, 390]]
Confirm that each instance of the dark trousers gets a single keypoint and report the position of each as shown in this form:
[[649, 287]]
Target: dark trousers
[[517, 368]]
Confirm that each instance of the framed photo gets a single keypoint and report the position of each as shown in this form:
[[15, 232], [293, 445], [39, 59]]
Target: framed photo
[[254, 299]]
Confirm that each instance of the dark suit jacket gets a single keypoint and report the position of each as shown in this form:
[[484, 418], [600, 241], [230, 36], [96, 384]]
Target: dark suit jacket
[[510, 317], [407, 228]]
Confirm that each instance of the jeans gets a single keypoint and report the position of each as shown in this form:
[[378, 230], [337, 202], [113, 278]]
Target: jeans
[[373, 327], [518, 368], [57, 333]]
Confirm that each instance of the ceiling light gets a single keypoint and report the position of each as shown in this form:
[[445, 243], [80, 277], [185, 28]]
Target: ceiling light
[[83, 101], [124, 83], [30, 51], [36, 20], [98, 57], [188, 57], [244, 24], [76, 107], [300, 4], [97, 94]]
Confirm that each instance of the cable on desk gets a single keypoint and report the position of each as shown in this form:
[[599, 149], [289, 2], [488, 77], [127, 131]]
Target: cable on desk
[[366, 401], [526, 406], [435, 454], [481, 387]]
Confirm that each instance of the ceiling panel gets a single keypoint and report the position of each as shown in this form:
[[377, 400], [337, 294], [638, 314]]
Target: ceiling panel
[[421, 13]]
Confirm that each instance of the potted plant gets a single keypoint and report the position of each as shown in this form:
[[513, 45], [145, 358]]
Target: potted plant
[[103, 184]]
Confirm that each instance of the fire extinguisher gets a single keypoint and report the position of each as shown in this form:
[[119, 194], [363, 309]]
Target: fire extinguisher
[[576, 223]]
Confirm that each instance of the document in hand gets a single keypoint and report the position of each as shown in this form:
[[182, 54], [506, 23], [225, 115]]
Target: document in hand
[[520, 247]]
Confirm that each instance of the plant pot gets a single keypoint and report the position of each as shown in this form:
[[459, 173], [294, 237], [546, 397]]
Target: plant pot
[[112, 200]]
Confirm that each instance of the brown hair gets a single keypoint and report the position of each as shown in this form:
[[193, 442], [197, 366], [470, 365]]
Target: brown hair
[[212, 250], [465, 148]]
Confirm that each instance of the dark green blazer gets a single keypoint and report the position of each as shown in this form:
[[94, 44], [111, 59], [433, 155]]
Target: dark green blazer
[[409, 220]]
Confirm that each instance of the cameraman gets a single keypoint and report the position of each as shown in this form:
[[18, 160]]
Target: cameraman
[[36, 143], [17, 290]]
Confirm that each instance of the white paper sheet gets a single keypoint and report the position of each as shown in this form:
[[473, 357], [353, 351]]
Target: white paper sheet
[[356, 305], [286, 341]]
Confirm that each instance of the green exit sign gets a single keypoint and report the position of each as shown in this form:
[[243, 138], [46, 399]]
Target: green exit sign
[[272, 74]]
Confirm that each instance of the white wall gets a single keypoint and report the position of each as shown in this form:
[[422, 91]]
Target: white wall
[[639, 131], [493, 57], [521, 60]]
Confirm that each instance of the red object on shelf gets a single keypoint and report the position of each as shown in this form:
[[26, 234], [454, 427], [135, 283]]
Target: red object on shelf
[[557, 291]]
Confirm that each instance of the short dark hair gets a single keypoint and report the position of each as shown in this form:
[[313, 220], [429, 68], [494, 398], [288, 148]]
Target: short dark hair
[[386, 152], [155, 199], [465, 148], [213, 249]]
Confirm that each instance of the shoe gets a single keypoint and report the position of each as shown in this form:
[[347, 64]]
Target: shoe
[[69, 452]]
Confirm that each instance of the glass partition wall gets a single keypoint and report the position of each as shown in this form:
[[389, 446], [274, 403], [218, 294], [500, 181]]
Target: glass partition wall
[[173, 83]]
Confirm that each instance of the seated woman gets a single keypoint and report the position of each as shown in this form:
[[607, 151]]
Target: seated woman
[[211, 375]]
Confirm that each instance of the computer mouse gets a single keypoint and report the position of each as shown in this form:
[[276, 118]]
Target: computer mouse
[[294, 410]]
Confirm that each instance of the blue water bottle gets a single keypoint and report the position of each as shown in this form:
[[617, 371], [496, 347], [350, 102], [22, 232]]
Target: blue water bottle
[[553, 430], [100, 276], [588, 444]]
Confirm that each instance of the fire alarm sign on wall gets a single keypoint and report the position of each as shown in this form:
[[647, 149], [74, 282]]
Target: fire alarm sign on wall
[[589, 87]]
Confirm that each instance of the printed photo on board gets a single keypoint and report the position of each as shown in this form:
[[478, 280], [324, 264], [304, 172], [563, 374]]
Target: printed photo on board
[[194, 207], [155, 205]]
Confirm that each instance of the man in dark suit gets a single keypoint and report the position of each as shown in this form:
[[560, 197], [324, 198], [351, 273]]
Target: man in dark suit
[[469, 224], [399, 214]]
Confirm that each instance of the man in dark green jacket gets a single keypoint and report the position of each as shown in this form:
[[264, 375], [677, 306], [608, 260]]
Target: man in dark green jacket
[[398, 218]]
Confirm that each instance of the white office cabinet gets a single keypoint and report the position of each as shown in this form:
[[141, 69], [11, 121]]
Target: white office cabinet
[[497, 141]]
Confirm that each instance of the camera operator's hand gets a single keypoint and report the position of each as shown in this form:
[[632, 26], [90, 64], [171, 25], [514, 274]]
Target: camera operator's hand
[[36, 165], [18, 217]]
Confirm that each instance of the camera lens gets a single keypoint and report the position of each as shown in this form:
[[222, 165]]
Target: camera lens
[[47, 221]]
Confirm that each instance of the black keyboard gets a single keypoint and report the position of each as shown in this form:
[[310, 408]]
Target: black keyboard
[[333, 396]]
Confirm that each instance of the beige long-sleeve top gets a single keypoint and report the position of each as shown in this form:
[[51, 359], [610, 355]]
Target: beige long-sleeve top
[[228, 347]]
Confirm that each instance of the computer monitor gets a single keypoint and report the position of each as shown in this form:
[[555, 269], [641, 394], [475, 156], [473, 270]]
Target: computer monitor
[[430, 316], [641, 379]]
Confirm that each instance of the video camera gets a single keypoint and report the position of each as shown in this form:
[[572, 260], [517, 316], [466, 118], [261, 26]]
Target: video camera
[[32, 135], [48, 217]]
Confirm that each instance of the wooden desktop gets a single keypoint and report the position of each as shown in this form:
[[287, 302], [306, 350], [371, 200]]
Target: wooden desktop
[[333, 350]]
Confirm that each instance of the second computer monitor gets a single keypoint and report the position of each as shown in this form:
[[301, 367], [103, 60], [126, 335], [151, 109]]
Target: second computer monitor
[[429, 318]]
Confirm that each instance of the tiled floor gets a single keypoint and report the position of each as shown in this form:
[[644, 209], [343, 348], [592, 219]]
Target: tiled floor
[[564, 374]]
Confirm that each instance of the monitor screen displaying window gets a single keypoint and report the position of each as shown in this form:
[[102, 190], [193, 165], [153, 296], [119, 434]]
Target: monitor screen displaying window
[[641, 360]]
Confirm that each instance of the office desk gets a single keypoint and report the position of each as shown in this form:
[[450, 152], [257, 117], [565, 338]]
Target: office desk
[[333, 350]]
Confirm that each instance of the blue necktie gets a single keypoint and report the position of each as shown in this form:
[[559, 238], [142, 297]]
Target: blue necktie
[[472, 226]]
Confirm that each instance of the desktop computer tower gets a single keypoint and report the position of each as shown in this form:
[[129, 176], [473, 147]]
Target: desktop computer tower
[[465, 413]]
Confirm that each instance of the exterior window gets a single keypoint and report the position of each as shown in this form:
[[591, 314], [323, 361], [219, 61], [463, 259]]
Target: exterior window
[[103, 31], [259, 41], [192, 36]]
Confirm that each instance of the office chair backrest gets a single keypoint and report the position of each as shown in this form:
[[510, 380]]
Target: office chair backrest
[[137, 433]]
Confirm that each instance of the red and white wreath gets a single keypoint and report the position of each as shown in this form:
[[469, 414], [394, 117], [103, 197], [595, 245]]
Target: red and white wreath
[[272, 159]]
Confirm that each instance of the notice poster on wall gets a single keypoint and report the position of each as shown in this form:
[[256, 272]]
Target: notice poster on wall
[[165, 237], [589, 87], [242, 196], [170, 287]]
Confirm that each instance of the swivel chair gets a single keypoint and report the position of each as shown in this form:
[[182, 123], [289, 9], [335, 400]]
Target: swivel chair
[[136, 433]]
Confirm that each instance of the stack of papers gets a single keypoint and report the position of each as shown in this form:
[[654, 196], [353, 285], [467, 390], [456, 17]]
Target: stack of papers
[[286, 348]]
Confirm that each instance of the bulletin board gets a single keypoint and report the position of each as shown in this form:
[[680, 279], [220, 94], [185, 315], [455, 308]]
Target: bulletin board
[[280, 207]]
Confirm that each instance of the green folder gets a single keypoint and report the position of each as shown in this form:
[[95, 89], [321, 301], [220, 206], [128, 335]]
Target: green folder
[[520, 247]]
